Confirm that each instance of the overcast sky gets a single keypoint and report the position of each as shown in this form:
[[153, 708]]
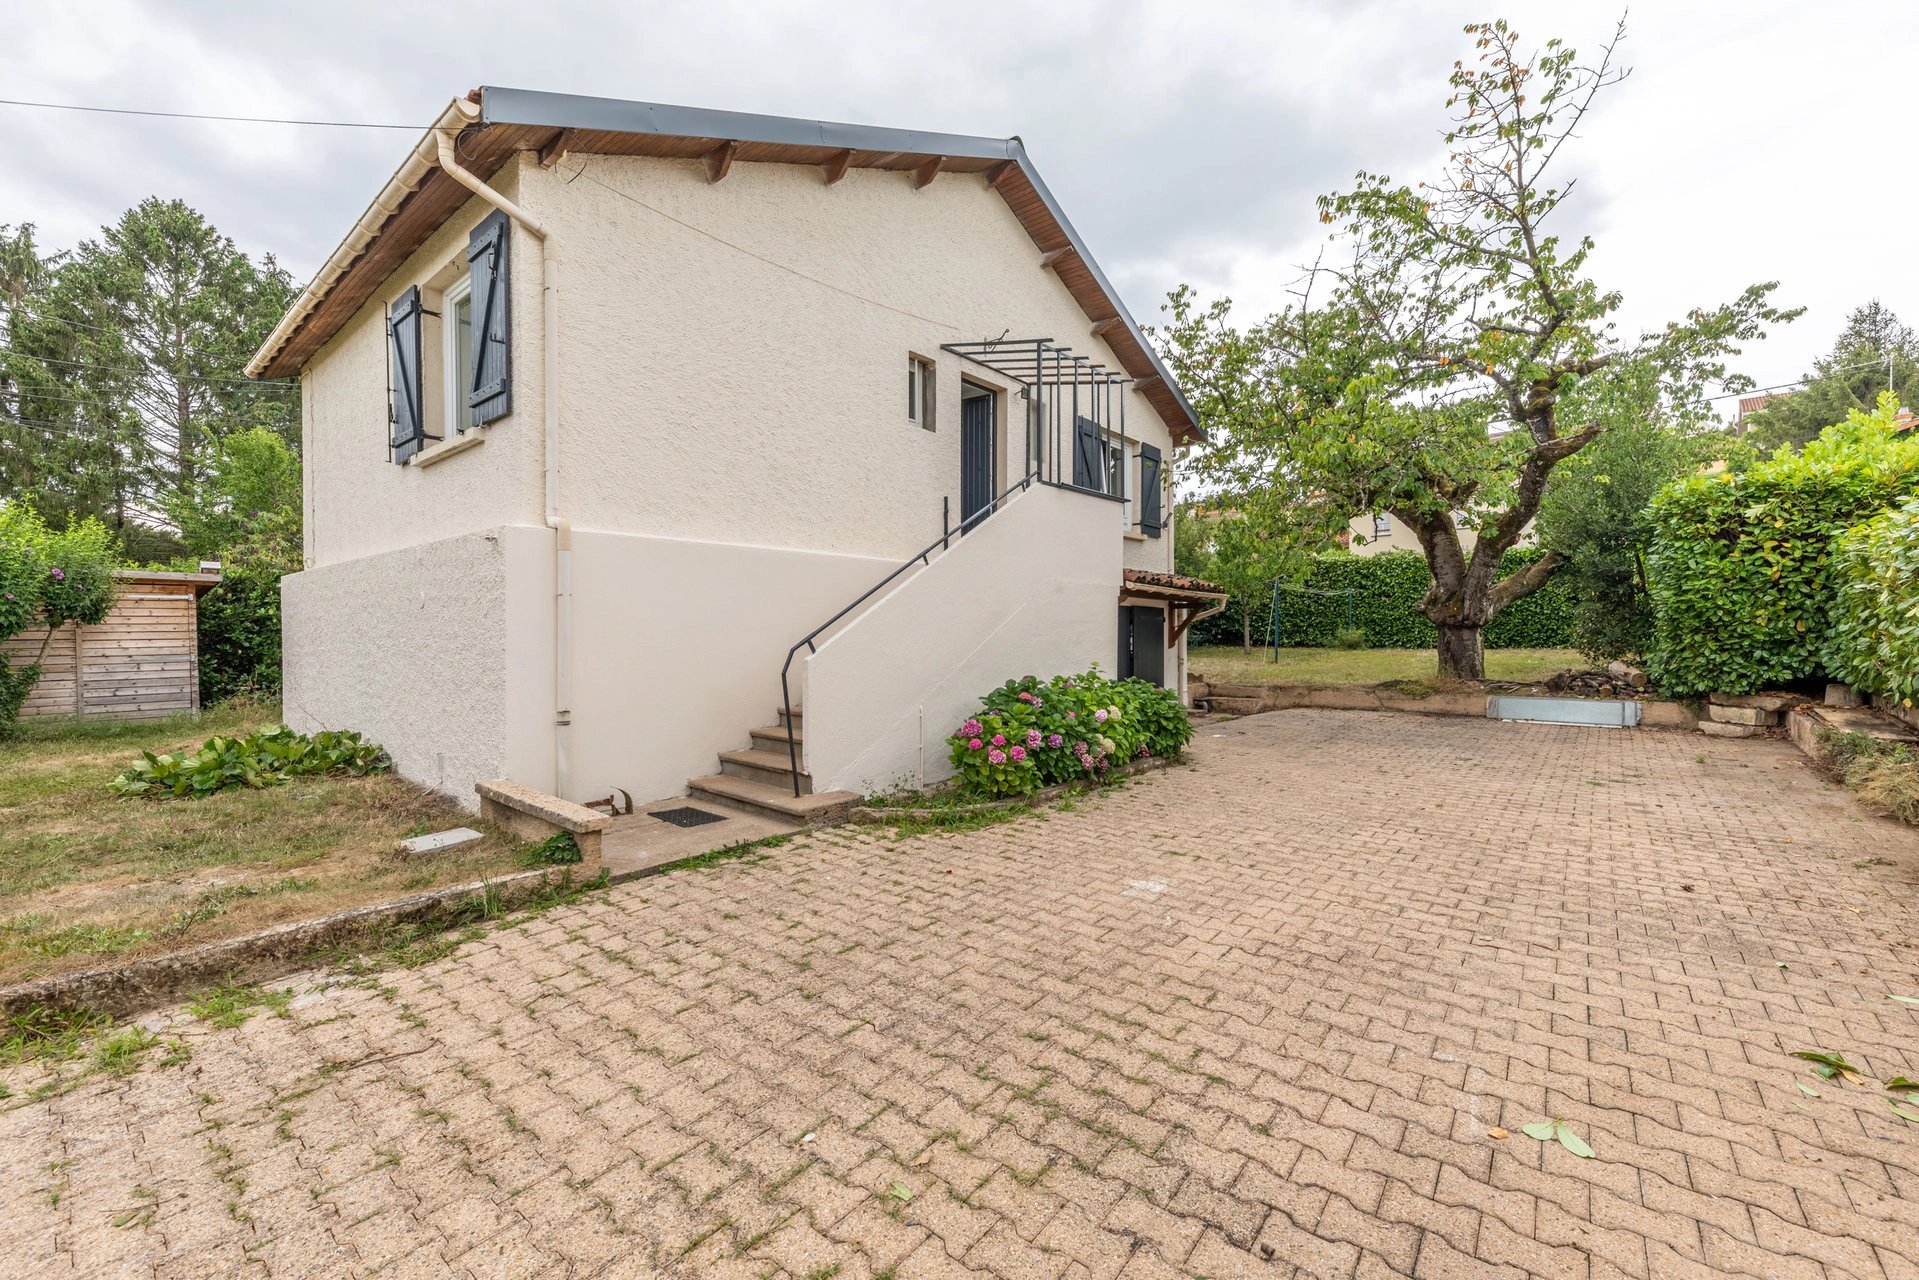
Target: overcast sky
[[1755, 139]]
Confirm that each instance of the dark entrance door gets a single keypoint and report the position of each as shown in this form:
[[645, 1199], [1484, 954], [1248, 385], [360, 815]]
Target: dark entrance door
[[1142, 643], [979, 454]]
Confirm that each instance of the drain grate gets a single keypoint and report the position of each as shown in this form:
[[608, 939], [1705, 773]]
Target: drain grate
[[689, 817]]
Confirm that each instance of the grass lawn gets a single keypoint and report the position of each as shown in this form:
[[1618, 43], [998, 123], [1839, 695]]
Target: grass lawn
[[1329, 668], [87, 876]]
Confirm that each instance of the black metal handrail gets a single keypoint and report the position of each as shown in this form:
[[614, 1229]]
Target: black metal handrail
[[966, 525]]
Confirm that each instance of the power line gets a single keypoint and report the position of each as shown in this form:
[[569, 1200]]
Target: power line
[[192, 115], [257, 384]]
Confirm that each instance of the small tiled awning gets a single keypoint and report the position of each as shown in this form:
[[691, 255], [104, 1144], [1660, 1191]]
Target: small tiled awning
[[1187, 600]]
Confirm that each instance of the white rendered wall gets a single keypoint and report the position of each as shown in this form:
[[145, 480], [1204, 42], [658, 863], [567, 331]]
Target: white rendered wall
[[679, 645], [357, 502], [1032, 591], [440, 652]]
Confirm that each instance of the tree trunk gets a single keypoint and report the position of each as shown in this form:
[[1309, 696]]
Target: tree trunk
[[1461, 656], [1245, 630]]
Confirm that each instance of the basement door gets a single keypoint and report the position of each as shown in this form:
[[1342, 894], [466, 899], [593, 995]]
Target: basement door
[[1142, 643], [979, 453]]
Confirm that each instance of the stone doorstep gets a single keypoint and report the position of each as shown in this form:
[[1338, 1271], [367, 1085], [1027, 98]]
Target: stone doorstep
[[534, 815], [1719, 729], [1742, 715]]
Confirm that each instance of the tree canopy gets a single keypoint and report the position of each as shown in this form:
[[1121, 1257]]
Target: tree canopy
[[1436, 361], [1845, 380], [121, 365]]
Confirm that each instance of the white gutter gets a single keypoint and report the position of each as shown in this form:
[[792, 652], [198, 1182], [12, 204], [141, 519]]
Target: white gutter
[[550, 396]]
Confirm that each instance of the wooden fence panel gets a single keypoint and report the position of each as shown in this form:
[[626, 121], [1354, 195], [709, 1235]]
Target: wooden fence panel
[[142, 661]]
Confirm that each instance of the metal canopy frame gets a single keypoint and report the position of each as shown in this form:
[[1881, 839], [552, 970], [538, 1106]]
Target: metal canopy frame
[[1051, 377]]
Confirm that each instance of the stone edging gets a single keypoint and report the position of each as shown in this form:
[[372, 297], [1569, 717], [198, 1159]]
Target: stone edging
[[154, 980], [1243, 700], [870, 814]]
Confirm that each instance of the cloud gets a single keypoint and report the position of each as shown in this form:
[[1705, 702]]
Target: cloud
[[1187, 142]]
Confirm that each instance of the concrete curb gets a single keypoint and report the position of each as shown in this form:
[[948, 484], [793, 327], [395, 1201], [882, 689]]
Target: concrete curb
[[1255, 699], [867, 815], [155, 980]]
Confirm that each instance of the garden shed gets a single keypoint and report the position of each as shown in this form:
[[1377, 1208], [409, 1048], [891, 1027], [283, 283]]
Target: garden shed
[[141, 662]]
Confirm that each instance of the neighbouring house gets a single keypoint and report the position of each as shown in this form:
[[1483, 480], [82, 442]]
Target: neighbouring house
[[625, 425], [141, 662]]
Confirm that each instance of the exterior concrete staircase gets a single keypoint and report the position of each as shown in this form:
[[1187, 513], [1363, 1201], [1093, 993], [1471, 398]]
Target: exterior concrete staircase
[[760, 778]]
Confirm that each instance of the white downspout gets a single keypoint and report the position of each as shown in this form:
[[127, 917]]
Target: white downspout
[[550, 394]]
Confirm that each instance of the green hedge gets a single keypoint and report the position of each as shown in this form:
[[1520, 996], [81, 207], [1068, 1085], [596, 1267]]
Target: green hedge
[[1741, 565], [1872, 642], [1387, 589]]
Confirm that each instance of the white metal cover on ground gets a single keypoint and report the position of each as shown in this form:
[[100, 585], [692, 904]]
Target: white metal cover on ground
[[1606, 712]]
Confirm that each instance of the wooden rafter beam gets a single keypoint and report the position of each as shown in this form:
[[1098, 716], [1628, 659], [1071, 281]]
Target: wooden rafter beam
[[835, 168], [925, 173], [719, 160], [997, 174], [1103, 327], [558, 145], [1051, 258]]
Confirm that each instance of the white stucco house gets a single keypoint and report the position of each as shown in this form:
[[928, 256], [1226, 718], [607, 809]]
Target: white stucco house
[[625, 424]]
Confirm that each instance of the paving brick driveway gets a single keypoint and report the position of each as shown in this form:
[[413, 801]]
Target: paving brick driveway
[[1268, 1006]]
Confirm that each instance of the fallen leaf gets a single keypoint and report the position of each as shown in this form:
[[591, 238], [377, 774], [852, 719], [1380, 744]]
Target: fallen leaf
[[1830, 1065], [1902, 1084], [1904, 1113], [1809, 1091], [1903, 999], [900, 1192], [1802, 1106], [1541, 1129], [1496, 1132], [1573, 1142]]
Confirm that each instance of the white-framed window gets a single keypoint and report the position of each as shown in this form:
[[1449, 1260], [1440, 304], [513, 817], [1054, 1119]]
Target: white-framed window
[[1114, 450], [1382, 526], [920, 384], [456, 354]]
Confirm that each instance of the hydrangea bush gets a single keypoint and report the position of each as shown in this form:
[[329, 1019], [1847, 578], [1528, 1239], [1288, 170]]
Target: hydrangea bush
[[1029, 734]]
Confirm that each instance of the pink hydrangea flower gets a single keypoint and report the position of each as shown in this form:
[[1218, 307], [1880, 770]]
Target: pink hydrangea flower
[[1100, 715], [1072, 715], [1027, 697], [999, 739], [996, 756], [971, 729], [974, 745], [1018, 753], [1034, 737], [59, 574], [1055, 741]]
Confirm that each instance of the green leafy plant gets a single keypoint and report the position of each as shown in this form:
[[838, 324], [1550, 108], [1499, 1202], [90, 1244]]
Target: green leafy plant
[[261, 759], [1742, 565], [1031, 734], [1872, 642], [47, 579], [1349, 638], [1384, 592], [558, 850]]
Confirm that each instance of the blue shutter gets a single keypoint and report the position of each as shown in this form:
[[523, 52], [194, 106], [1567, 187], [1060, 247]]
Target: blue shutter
[[1089, 464], [491, 395], [405, 414], [1150, 520]]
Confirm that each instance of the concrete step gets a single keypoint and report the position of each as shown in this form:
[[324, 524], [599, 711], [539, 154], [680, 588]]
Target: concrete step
[[799, 716], [758, 765], [774, 737], [825, 808]]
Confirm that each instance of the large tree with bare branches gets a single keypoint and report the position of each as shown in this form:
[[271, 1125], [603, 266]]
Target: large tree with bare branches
[[1449, 348]]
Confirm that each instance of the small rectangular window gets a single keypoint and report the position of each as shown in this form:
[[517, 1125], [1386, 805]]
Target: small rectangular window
[[456, 328], [920, 382], [1382, 526]]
